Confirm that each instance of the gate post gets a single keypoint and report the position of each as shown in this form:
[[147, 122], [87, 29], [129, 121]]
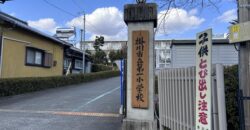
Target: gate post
[[141, 20], [221, 97]]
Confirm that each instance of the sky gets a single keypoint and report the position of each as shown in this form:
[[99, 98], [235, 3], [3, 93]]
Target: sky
[[105, 17]]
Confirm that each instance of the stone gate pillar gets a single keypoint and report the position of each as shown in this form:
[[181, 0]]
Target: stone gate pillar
[[141, 20]]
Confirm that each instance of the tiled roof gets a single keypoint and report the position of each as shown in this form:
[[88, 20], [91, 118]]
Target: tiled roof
[[23, 25]]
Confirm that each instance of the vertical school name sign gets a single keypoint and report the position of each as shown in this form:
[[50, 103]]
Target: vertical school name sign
[[203, 80], [140, 69]]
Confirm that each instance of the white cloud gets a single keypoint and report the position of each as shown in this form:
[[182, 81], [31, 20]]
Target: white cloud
[[178, 21], [228, 16], [103, 21], [122, 35], [46, 25], [13, 14], [193, 12]]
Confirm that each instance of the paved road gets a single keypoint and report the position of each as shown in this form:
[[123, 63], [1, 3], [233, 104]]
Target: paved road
[[89, 106]]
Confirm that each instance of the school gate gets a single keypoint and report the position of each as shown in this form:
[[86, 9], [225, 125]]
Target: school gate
[[177, 90]]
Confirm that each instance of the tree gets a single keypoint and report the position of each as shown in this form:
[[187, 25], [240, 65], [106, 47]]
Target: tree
[[100, 57], [167, 5], [117, 55], [99, 42], [112, 56]]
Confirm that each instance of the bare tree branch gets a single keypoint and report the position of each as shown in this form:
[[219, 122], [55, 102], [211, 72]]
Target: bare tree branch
[[184, 4], [188, 3]]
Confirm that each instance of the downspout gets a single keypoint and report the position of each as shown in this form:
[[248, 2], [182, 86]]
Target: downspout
[[171, 53], [1, 55]]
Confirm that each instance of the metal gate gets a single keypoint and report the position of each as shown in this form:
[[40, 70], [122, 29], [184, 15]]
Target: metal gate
[[177, 98], [123, 84]]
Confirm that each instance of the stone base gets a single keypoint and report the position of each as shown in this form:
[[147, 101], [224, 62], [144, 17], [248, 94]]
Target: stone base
[[139, 125]]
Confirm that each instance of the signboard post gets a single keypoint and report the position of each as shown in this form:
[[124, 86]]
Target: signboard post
[[141, 20], [203, 115], [239, 32], [140, 69]]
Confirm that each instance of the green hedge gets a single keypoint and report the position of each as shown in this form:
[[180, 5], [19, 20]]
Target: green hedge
[[100, 67], [231, 88], [16, 86]]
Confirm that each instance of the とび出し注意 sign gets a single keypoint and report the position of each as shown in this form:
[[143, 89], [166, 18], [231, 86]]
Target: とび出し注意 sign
[[203, 115], [140, 69]]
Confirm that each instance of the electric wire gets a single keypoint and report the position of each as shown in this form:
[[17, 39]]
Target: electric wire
[[77, 5], [53, 5], [71, 14]]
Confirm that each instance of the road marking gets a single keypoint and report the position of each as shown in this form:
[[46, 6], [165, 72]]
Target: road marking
[[89, 114], [95, 99], [93, 114], [26, 111]]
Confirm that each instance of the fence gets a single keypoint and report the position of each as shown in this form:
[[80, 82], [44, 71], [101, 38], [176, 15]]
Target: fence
[[177, 98]]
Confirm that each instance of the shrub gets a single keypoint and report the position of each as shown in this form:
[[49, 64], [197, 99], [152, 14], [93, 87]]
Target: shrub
[[14, 86], [100, 67], [231, 88]]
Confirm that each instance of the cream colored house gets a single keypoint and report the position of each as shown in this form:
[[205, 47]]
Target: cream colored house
[[26, 52]]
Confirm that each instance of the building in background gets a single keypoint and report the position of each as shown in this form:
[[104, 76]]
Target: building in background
[[162, 53], [66, 34], [73, 61], [26, 52], [107, 47], [183, 53], [179, 53]]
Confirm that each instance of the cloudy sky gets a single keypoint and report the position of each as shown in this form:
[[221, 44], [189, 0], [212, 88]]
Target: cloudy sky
[[105, 17]]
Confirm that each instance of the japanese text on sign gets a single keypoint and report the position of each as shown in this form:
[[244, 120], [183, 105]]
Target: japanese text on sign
[[203, 80], [140, 69]]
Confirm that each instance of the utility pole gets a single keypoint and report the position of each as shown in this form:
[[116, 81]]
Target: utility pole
[[244, 61], [82, 43], [81, 31]]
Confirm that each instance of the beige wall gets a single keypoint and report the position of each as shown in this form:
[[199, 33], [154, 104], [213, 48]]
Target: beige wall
[[14, 53]]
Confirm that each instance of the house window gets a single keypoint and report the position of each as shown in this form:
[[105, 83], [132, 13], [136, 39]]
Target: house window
[[163, 57], [34, 56], [67, 62], [37, 57], [48, 60], [78, 64]]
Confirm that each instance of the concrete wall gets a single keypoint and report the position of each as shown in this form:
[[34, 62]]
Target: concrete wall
[[132, 113], [14, 53]]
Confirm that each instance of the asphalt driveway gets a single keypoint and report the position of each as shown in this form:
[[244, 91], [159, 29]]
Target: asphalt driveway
[[88, 106]]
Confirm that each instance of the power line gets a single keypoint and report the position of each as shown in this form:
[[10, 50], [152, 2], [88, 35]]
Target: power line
[[53, 5], [94, 27], [71, 14], [77, 5]]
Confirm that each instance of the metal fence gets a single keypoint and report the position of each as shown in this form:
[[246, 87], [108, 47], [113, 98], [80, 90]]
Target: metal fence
[[177, 98]]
